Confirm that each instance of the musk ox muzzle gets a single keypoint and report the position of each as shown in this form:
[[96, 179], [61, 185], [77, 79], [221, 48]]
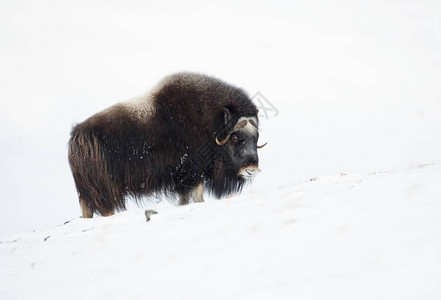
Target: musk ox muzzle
[[249, 172]]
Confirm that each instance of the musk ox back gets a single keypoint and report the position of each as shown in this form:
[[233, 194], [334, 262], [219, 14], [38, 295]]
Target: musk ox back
[[191, 131]]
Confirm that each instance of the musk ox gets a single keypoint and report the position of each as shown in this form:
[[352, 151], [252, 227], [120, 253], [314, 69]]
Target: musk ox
[[190, 132]]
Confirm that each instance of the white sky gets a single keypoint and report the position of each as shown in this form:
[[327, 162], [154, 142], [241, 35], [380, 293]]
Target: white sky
[[356, 83]]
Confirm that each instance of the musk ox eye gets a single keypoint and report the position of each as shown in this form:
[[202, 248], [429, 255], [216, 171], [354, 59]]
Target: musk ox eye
[[234, 139]]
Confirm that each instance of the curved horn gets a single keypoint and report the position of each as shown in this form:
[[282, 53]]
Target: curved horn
[[260, 147], [252, 123], [241, 124], [222, 142]]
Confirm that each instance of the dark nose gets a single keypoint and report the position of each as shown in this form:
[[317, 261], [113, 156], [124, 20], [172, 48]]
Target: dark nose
[[252, 161]]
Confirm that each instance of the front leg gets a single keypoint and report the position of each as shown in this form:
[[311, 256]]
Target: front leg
[[196, 194], [184, 199]]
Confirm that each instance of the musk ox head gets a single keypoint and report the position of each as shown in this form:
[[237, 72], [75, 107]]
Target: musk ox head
[[240, 144]]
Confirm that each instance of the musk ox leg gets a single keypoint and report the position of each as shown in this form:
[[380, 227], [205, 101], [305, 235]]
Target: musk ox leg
[[107, 214], [196, 194], [87, 212], [93, 174], [184, 199]]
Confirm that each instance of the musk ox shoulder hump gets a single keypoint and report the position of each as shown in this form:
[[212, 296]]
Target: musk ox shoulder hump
[[141, 108], [209, 93]]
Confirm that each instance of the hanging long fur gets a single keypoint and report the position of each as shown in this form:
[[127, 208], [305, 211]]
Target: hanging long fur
[[163, 142]]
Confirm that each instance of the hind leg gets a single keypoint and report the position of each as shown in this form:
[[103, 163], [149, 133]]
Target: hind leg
[[107, 214], [87, 212]]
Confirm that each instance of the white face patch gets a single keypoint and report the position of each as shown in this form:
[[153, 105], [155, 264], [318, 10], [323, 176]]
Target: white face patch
[[249, 172], [249, 127]]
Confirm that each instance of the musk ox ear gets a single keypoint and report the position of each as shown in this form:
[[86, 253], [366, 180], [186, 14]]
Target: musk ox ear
[[226, 115]]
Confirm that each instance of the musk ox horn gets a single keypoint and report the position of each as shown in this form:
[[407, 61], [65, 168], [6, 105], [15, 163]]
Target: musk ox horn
[[241, 124], [253, 123], [260, 147], [223, 141]]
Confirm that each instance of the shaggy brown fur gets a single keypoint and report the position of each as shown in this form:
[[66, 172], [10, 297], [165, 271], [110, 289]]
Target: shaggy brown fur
[[162, 143]]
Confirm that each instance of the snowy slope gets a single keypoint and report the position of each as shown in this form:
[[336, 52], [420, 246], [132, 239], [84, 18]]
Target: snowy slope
[[356, 83], [368, 236]]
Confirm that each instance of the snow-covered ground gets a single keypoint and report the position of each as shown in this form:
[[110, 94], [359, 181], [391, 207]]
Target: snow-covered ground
[[356, 83], [348, 236], [357, 88]]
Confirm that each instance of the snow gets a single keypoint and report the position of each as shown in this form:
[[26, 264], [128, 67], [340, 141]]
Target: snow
[[355, 84], [354, 89], [354, 236]]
